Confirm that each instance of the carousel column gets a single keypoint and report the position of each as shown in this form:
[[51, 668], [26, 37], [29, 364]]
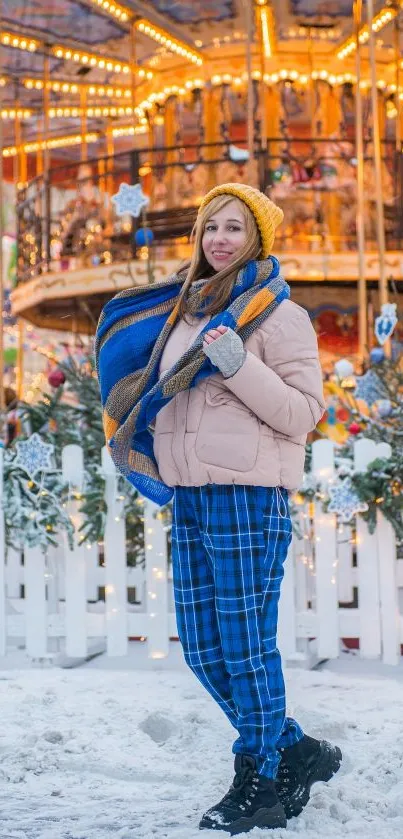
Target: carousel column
[[83, 106], [170, 142], [248, 10], [273, 111], [211, 132], [360, 224], [380, 221], [46, 158], [332, 118], [110, 151]]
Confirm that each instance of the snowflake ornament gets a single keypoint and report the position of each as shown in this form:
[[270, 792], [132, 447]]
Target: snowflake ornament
[[33, 455], [386, 322], [130, 200], [345, 502], [369, 388]]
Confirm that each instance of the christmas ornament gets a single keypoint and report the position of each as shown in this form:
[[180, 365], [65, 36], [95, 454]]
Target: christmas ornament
[[376, 355], [345, 502], [344, 368], [130, 200], [238, 155], [143, 237], [331, 415], [386, 322], [369, 387], [354, 428], [383, 408], [56, 378], [33, 455]]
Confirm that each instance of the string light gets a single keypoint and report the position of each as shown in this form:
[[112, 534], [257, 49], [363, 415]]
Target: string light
[[53, 143], [12, 113], [266, 22], [166, 40], [92, 90], [113, 9], [18, 42], [112, 65], [96, 111], [379, 21]]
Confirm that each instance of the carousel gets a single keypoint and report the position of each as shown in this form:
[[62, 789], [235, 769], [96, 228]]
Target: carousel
[[300, 98]]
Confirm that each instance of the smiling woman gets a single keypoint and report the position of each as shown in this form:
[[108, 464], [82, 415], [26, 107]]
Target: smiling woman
[[233, 383]]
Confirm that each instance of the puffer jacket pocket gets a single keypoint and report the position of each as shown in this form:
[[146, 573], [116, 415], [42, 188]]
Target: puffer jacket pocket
[[228, 433]]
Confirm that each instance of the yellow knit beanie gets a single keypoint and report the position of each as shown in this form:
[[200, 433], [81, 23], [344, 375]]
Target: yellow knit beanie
[[268, 216]]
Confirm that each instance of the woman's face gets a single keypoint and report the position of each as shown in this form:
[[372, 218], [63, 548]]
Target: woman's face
[[224, 236]]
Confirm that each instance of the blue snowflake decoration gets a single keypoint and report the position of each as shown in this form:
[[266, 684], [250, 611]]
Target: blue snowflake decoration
[[130, 200], [345, 502], [370, 388], [33, 455], [385, 323]]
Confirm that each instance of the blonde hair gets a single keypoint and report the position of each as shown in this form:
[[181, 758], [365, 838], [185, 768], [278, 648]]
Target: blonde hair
[[221, 284]]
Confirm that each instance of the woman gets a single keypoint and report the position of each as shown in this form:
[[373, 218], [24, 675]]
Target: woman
[[227, 373]]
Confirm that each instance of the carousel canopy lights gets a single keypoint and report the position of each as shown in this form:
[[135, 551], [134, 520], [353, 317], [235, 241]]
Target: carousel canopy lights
[[12, 113], [19, 42], [90, 59], [53, 143], [112, 111], [92, 89], [166, 40], [380, 20], [113, 9]]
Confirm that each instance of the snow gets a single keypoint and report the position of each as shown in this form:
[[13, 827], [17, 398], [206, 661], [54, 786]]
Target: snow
[[116, 750]]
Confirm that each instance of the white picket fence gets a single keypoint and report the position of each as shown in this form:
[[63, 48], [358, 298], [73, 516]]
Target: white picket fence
[[340, 583]]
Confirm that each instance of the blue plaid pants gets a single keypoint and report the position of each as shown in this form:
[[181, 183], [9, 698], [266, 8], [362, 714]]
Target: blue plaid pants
[[229, 544]]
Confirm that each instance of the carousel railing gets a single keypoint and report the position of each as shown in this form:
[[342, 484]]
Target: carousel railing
[[67, 219]]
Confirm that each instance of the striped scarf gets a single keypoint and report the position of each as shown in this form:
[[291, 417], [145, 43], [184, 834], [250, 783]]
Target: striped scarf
[[131, 335]]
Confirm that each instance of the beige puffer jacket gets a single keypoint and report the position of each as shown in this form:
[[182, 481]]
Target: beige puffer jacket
[[250, 428]]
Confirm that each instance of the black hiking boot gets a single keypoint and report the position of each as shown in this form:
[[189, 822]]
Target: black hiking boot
[[302, 765], [251, 801]]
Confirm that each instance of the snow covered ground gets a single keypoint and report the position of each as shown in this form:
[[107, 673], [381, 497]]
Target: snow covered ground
[[96, 753]]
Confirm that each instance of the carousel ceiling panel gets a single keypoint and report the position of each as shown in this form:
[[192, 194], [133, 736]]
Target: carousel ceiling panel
[[60, 19], [321, 8], [196, 11]]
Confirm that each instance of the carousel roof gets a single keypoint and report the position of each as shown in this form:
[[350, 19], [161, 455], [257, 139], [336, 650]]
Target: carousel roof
[[89, 46]]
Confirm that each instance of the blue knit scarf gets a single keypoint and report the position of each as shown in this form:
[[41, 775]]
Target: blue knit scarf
[[131, 335]]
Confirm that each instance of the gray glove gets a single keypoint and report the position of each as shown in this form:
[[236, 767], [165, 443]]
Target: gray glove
[[227, 353]]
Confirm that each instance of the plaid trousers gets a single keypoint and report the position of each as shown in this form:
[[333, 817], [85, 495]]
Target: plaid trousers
[[229, 544]]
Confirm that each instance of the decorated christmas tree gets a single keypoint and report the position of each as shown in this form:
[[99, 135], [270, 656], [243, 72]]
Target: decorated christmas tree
[[36, 494], [370, 406]]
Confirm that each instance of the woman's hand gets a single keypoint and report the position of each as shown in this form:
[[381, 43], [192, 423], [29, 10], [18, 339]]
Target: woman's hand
[[225, 350], [213, 334]]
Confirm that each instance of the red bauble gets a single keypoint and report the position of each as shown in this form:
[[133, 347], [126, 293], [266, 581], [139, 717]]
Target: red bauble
[[354, 428], [56, 378]]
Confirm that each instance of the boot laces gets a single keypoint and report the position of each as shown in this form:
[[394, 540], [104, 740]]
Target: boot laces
[[288, 775], [244, 788]]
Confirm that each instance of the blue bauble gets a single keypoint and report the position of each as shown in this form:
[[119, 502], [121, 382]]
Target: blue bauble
[[377, 355], [384, 408], [143, 237]]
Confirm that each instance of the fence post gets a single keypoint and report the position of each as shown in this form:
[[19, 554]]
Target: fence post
[[387, 564], [156, 583], [75, 577], [326, 556], [115, 563], [36, 611], [13, 572], [287, 624], [3, 618], [367, 562]]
